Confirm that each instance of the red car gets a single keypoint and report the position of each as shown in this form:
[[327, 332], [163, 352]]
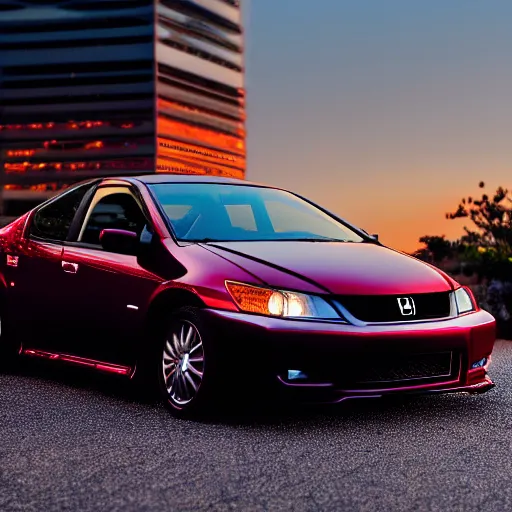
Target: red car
[[216, 286]]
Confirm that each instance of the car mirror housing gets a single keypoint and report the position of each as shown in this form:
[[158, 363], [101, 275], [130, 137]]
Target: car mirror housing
[[374, 236], [119, 240], [153, 256]]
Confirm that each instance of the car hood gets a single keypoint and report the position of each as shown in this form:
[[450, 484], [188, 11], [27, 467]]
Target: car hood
[[338, 268]]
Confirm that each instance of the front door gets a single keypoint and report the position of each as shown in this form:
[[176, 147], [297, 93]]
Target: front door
[[109, 292]]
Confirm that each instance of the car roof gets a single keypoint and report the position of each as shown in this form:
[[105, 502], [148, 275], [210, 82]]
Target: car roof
[[153, 179]]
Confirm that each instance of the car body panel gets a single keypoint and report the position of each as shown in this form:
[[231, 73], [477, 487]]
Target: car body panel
[[342, 268], [32, 284], [107, 302], [35, 290]]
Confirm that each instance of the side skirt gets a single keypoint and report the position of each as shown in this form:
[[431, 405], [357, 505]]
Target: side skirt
[[101, 366]]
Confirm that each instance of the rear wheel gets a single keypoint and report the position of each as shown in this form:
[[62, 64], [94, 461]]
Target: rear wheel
[[186, 364]]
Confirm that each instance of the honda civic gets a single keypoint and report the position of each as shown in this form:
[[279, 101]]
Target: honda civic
[[215, 286]]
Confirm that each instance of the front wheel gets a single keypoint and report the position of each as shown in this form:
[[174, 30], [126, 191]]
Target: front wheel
[[187, 369]]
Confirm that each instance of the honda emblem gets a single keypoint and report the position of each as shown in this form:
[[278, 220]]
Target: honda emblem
[[407, 306]]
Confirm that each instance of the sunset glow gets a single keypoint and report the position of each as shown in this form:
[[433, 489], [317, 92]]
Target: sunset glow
[[387, 113]]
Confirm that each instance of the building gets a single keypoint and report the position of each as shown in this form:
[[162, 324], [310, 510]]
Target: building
[[104, 87]]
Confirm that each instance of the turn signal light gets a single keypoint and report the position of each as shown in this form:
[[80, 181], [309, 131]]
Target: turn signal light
[[254, 299]]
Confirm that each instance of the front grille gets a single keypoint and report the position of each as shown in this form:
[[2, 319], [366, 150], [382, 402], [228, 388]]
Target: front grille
[[409, 368], [386, 308]]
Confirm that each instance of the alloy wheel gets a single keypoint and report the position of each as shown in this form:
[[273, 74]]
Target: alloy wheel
[[183, 363]]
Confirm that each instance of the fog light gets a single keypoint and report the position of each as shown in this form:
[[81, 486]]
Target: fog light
[[479, 364], [296, 374]]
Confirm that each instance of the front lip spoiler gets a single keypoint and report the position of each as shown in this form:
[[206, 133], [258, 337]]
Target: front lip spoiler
[[339, 396], [473, 389]]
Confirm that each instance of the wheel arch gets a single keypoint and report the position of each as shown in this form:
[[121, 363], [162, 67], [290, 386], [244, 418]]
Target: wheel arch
[[164, 303], [167, 301]]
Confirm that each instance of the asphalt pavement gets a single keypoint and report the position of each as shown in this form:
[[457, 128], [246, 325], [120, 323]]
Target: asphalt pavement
[[72, 441]]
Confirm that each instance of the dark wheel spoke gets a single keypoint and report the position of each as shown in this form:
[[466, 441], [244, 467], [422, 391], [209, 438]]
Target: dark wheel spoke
[[176, 345], [195, 372], [169, 369], [178, 391], [171, 351], [190, 337], [170, 377], [195, 386], [196, 347]]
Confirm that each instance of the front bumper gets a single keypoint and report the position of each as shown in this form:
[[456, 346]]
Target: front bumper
[[334, 356]]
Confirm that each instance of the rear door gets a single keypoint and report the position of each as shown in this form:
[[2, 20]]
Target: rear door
[[111, 291], [37, 281]]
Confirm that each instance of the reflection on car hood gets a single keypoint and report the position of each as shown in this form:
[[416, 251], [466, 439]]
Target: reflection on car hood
[[339, 268]]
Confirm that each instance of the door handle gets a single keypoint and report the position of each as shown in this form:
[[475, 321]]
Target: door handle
[[70, 268]]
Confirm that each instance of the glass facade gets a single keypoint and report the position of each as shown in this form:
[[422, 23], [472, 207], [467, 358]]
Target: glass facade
[[91, 88]]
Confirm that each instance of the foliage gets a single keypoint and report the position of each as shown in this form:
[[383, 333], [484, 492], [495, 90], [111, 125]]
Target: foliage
[[436, 249], [492, 218], [486, 247]]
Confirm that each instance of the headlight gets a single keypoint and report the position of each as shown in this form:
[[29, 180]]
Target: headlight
[[464, 301], [266, 301]]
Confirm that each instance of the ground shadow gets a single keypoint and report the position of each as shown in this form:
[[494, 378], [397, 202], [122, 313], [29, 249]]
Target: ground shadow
[[260, 413]]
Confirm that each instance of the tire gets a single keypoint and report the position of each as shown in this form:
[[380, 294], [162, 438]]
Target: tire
[[186, 364]]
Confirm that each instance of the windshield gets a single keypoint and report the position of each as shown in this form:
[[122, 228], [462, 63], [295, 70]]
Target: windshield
[[211, 212]]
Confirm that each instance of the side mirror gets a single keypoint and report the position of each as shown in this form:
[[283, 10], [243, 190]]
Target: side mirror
[[375, 237], [119, 241], [155, 257]]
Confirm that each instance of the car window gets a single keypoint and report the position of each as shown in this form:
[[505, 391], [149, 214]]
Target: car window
[[52, 222], [114, 211], [222, 212], [285, 217]]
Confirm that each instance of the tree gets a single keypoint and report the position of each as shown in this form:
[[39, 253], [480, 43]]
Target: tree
[[436, 249], [487, 245], [492, 218]]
